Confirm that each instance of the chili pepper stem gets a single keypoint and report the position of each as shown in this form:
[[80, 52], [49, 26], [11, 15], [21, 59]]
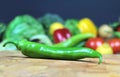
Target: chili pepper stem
[[11, 43]]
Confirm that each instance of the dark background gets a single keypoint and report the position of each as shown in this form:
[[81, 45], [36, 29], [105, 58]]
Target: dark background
[[100, 11]]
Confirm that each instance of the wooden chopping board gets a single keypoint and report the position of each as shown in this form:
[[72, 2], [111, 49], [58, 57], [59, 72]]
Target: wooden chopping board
[[14, 64]]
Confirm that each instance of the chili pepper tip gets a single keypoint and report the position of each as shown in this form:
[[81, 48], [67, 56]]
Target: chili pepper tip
[[100, 60]]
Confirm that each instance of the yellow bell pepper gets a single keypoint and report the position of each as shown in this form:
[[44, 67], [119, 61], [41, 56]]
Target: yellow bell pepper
[[55, 26], [86, 25], [104, 49]]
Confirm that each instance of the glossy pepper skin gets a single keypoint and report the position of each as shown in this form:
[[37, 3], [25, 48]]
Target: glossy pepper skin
[[61, 35], [86, 25], [36, 50]]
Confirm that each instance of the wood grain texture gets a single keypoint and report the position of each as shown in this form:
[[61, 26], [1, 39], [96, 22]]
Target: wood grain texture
[[14, 64]]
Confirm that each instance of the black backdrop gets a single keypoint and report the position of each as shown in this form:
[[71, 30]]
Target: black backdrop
[[100, 11]]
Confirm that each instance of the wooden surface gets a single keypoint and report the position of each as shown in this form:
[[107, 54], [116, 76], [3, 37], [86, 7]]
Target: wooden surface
[[14, 64]]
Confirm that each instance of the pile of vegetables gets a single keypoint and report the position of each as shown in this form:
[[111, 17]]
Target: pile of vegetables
[[108, 40], [52, 30]]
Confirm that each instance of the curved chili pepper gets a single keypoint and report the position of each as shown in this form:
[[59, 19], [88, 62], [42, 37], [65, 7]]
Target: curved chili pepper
[[72, 41], [36, 50]]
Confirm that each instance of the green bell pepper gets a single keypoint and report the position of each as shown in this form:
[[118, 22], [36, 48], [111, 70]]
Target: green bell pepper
[[71, 24]]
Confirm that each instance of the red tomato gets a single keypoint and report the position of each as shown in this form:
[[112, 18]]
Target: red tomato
[[94, 42], [115, 44]]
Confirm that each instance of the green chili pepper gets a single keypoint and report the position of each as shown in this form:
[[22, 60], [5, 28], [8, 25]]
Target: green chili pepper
[[74, 40], [36, 50]]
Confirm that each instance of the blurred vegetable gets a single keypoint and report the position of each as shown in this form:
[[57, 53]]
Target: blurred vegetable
[[105, 31], [118, 28], [117, 34], [86, 25], [61, 35], [2, 29], [24, 26], [71, 24], [114, 25], [74, 40], [94, 42], [49, 19], [115, 44], [81, 44], [54, 26], [41, 38], [105, 49]]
